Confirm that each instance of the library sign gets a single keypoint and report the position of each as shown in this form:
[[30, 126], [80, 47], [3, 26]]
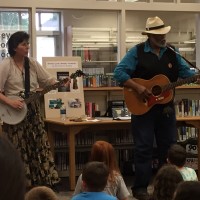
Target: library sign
[[4, 36]]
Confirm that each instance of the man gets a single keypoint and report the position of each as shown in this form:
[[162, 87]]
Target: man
[[144, 61]]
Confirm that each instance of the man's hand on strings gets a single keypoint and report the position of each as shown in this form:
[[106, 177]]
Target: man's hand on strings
[[143, 92]]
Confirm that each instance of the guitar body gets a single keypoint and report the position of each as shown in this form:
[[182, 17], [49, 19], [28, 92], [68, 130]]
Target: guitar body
[[137, 106], [11, 115]]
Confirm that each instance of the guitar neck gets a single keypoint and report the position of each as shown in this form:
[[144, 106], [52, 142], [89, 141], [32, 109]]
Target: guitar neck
[[37, 95], [181, 82]]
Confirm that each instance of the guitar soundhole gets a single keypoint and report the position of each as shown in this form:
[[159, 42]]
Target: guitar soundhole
[[156, 90]]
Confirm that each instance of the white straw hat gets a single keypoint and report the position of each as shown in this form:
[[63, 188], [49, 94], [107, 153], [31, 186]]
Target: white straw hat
[[155, 25]]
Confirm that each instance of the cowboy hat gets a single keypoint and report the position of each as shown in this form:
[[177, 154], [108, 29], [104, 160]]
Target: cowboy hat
[[155, 25]]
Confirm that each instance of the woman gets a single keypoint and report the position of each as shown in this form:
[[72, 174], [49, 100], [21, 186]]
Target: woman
[[29, 136], [103, 151]]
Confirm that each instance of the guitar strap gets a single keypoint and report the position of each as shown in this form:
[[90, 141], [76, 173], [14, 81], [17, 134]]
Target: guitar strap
[[27, 77]]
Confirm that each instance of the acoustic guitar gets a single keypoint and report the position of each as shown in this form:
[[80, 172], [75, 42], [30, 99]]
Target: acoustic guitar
[[161, 89], [14, 116]]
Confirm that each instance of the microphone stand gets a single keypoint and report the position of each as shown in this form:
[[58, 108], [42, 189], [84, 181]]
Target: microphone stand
[[169, 47]]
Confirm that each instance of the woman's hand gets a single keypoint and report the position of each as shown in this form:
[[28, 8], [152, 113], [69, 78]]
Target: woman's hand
[[16, 103], [67, 82]]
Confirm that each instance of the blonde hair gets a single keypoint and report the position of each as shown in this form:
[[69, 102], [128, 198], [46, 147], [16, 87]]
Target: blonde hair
[[41, 193]]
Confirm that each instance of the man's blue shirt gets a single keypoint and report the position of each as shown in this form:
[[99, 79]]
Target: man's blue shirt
[[127, 66]]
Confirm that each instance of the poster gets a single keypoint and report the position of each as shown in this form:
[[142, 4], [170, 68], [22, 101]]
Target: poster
[[71, 96]]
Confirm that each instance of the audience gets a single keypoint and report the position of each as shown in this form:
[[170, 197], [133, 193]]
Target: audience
[[94, 179], [12, 179], [165, 183], [187, 190], [41, 193], [177, 156], [103, 151]]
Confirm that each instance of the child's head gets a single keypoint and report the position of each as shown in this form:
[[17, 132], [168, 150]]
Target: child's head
[[165, 182], [12, 179], [103, 151], [177, 155], [187, 190], [95, 176], [41, 193]]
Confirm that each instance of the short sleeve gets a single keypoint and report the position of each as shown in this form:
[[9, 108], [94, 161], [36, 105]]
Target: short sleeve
[[78, 188], [122, 191]]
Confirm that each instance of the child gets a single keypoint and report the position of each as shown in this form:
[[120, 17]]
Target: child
[[41, 193], [166, 182], [94, 179], [103, 151], [188, 190], [177, 157]]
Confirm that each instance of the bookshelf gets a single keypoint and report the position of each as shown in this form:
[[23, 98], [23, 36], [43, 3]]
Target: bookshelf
[[70, 130], [188, 122], [71, 141]]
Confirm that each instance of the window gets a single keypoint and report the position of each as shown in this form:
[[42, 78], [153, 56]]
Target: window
[[10, 22], [48, 34]]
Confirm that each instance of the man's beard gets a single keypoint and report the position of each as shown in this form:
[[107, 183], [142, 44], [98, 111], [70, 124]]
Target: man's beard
[[161, 43]]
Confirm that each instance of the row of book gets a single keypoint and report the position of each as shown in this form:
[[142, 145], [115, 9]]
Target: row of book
[[90, 109], [187, 107], [125, 159], [99, 80], [88, 138], [185, 132], [62, 158], [95, 54]]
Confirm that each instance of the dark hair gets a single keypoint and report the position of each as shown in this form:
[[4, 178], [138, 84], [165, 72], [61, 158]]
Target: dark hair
[[15, 39], [95, 175], [41, 193], [177, 155], [165, 182], [12, 179], [187, 190]]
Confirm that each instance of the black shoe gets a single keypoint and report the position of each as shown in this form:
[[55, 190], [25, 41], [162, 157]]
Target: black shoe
[[141, 195]]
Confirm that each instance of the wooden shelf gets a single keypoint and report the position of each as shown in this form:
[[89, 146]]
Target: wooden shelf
[[121, 88], [189, 87], [188, 118], [98, 61], [103, 89]]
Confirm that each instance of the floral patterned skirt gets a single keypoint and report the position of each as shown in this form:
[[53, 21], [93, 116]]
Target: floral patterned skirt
[[30, 139]]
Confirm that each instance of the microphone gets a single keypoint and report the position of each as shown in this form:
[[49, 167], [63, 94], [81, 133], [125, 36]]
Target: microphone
[[169, 46]]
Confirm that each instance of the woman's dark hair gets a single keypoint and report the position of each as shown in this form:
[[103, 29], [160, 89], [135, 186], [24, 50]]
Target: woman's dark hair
[[166, 182], [188, 190], [12, 179], [15, 39]]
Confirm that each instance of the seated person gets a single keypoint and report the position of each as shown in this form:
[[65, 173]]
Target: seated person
[[94, 179], [187, 190], [12, 179], [41, 193], [177, 156], [165, 183], [103, 151]]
